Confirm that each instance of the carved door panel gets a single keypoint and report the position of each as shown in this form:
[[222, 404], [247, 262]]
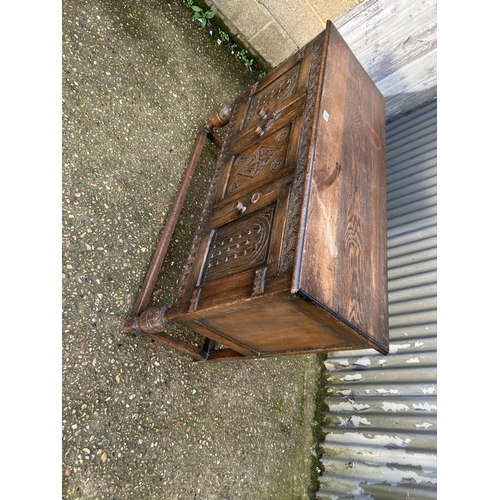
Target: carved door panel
[[257, 165], [272, 102], [242, 247], [252, 164]]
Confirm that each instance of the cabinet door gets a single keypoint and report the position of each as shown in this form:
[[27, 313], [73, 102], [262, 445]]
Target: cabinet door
[[276, 93], [270, 104], [261, 163], [266, 128], [241, 247]]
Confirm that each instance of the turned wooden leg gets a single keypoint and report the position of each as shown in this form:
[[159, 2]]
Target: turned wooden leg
[[154, 323], [152, 320]]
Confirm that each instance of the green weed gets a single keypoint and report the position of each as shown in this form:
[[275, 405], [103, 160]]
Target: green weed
[[317, 467], [223, 36], [206, 19], [202, 15]]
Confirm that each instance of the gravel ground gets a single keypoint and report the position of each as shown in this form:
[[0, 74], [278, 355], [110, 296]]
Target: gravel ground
[[141, 421]]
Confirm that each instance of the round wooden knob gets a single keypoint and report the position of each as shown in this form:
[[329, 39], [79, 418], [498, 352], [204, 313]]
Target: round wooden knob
[[220, 116], [240, 207]]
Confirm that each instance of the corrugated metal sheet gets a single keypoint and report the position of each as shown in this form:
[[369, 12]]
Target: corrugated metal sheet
[[382, 420]]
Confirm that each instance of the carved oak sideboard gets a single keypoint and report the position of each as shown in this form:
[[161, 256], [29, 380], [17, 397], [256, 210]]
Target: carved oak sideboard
[[290, 253]]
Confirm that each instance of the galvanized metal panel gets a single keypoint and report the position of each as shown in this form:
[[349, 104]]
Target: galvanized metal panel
[[381, 426]]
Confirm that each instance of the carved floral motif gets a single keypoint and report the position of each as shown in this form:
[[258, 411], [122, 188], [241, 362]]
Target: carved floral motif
[[258, 161]]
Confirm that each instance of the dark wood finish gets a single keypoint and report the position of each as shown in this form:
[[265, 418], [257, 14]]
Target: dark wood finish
[[290, 252]]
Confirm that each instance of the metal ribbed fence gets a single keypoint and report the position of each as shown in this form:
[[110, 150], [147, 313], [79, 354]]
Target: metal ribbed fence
[[382, 420]]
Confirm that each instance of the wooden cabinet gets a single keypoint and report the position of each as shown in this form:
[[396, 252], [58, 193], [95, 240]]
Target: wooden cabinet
[[290, 252]]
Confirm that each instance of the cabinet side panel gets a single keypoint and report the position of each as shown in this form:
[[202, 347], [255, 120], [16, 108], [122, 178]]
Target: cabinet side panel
[[272, 324], [343, 265]]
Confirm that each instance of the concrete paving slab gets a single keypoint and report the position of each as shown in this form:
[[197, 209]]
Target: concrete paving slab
[[247, 15], [299, 21], [273, 44], [287, 25], [328, 9]]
